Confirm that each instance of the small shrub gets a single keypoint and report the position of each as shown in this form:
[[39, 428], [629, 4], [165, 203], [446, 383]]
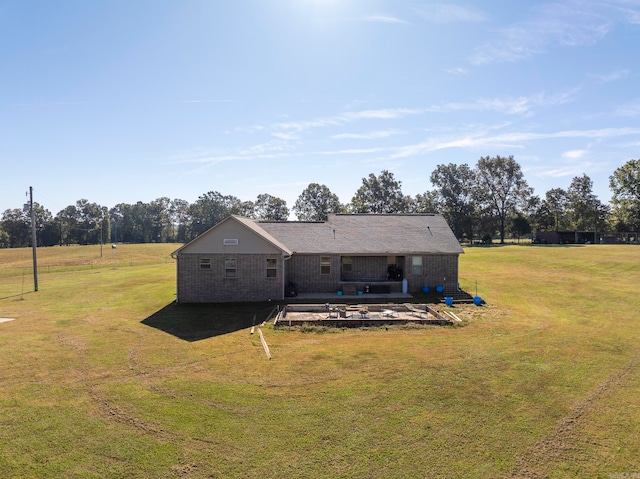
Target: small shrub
[[487, 239]]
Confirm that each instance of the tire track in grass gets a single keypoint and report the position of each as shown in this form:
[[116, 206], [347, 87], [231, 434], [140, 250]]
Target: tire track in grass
[[560, 445]]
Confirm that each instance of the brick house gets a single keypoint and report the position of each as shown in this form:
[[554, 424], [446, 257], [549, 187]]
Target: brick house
[[241, 259]]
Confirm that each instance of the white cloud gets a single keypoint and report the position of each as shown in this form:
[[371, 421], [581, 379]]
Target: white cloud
[[284, 136], [562, 172], [511, 106], [371, 135], [457, 71], [570, 24], [347, 117], [269, 150], [574, 154], [631, 109], [385, 19], [510, 140], [449, 13], [249, 129], [390, 113], [629, 9], [352, 151], [613, 76], [207, 101]]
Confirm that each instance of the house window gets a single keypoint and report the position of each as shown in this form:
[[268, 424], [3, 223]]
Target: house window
[[325, 264], [230, 268], [272, 270], [347, 264], [205, 263], [416, 265]]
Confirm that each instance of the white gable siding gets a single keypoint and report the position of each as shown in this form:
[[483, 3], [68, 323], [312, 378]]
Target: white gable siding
[[213, 241]]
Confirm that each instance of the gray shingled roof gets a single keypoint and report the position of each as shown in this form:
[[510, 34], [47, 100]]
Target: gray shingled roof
[[367, 235], [255, 227]]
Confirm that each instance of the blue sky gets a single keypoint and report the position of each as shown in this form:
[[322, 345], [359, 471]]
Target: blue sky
[[131, 100]]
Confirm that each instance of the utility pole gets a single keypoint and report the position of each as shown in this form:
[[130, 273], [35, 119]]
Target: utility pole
[[33, 240]]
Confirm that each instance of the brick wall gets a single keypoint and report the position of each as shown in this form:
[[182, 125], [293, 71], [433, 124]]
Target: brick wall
[[196, 285], [304, 270], [436, 270]]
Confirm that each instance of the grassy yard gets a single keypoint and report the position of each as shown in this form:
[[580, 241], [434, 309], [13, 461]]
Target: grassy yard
[[103, 376]]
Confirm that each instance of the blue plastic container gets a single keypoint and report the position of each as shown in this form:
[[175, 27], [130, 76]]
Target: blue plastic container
[[448, 300], [477, 300], [440, 288], [359, 293], [339, 293], [425, 289]]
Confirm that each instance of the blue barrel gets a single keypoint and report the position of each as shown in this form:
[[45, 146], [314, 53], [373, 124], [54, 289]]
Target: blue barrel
[[448, 300], [477, 300], [425, 289], [440, 288]]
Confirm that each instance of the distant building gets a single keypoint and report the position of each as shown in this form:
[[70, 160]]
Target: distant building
[[583, 237]]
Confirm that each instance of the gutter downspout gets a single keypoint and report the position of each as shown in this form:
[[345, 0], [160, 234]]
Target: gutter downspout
[[175, 256], [285, 257]]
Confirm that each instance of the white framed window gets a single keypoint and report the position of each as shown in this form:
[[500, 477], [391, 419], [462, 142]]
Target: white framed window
[[205, 263], [416, 265], [272, 267], [230, 268], [325, 264]]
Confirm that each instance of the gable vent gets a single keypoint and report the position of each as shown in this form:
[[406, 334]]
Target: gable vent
[[230, 241]]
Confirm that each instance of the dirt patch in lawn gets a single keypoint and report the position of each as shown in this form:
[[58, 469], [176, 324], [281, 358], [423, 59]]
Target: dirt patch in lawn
[[561, 444]]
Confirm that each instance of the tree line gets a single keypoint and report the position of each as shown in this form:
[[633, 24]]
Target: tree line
[[491, 199]]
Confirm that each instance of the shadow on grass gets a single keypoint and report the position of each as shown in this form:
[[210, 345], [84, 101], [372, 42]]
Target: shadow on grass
[[17, 295], [194, 322]]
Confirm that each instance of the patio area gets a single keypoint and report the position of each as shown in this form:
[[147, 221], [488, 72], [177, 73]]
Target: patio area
[[358, 315]]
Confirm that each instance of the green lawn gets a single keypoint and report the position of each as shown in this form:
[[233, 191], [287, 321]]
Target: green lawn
[[103, 376]]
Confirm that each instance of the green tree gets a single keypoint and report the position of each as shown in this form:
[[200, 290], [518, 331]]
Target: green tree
[[519, 226], [67, 221], [379, 194], [4, 238], [46, 228], [537, 214], [501, 189], [209, 209], [427, 202], [179, 218], [585, 211], [160, 220], [90, 218], [17, 225], [455, 186], [625, 186], [270, 208], [557, 202], [315, 203]]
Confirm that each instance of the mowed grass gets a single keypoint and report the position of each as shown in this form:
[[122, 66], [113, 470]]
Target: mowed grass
[[19, 261], [103, 376]]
